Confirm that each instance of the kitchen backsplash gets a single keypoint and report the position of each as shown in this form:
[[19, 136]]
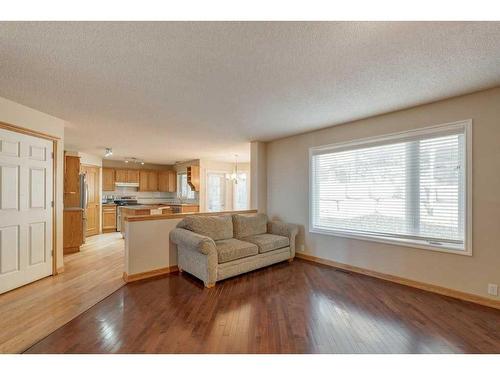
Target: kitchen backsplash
[[146, 196]]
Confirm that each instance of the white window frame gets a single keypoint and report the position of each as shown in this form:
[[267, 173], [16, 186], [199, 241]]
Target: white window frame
[[447, 248], [179, 188]]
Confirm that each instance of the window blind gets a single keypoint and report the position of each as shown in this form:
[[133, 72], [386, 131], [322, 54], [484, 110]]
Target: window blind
[[410, 188]]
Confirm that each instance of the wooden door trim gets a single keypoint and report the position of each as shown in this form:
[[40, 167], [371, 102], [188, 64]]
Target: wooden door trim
[[99, 208], [33, 133]]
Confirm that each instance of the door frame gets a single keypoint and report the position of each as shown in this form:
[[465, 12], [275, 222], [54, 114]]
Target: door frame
[[99, 195], [34, 133]]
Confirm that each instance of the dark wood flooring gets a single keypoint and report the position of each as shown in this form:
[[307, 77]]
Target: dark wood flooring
[[296, 307]]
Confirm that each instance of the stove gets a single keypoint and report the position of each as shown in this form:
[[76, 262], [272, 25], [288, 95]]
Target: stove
[[126, 201]]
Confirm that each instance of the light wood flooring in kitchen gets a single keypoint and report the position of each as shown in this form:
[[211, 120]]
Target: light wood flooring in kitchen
[[30, 313]]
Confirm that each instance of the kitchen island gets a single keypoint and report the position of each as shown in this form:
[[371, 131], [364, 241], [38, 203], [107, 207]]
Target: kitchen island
[[142, 210]]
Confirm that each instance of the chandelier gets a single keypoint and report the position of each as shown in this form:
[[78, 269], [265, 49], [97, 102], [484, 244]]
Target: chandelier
[[235, 176]]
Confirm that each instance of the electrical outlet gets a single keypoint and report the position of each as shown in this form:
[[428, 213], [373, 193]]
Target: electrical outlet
[[493, 289]]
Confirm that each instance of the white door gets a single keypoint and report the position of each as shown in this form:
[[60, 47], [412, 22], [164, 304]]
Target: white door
[[25, 209], [216, 192]]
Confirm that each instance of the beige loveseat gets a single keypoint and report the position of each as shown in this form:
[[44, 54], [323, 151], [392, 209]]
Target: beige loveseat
[[213, 248]]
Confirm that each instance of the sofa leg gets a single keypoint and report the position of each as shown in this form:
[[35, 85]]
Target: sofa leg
[[290, 260], [207, 285]]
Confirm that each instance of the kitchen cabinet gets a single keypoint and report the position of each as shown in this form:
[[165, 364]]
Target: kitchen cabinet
[[109, 218], [71, 181], [148, 180], [121, 175], [193, 177], [127, 175], [167, 181], [72, 230], [163, 181], [133, 175], [108, 179], [152, 181], [172, 181], [143, 181]]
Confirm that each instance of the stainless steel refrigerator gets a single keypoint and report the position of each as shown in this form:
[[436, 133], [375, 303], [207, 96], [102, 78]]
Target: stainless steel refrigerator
[[84, 197]]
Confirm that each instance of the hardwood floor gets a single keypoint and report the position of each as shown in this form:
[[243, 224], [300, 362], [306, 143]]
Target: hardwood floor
[[30, 313], [296, 307]]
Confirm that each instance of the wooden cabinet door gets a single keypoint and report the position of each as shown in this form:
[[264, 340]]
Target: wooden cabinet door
[[163, 181], [108, 179], [172, 181], [121, 175], [132, 176], [72, 231], [143, 181], [93, 202], [109, 219], [71, 181], [152, 181]]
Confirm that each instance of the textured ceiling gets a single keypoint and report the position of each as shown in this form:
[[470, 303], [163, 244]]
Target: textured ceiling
[[167, 91]]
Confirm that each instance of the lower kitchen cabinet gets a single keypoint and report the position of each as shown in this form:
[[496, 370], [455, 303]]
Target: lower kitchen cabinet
[[72, 230], [108, 218]]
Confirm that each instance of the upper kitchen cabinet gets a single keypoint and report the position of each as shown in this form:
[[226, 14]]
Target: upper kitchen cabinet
[[148, 180], [152, 181], [172, 181], [193, 177], [133, 176], [71, 181], [167, 181], [127, 176], [121, 175], [108, 179]]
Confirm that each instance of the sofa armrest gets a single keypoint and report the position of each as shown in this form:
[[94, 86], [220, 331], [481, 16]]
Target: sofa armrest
[[284, 229], [194, 241]]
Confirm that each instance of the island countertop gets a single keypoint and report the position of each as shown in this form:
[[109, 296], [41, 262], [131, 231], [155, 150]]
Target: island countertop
[[146, 207]]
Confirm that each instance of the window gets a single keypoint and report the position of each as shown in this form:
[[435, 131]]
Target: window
[[240, 192], [410, 188], [183, 189], [216, 191]]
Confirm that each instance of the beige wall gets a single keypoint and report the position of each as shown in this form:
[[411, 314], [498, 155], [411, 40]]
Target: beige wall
[[287, 174], [19, 115]]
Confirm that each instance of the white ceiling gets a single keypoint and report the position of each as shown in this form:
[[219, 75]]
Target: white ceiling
[[168, 91]]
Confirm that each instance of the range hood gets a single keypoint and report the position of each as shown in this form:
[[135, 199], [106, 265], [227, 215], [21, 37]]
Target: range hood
[[127, 184]]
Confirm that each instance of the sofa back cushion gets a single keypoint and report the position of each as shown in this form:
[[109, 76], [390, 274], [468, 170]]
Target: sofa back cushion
[[249, 224], [215, 227]]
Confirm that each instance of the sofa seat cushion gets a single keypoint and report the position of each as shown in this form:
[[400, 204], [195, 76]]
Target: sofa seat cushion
[[232, 249], [215, 227], [268, 242]]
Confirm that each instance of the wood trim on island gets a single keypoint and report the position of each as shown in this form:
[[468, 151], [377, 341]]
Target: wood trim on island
[[182, 215], [401, 280]]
